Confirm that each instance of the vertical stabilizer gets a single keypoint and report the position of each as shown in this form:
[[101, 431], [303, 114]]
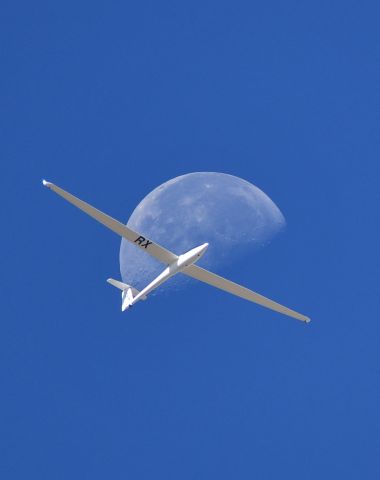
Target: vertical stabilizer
[[126, 299], [127, 293]]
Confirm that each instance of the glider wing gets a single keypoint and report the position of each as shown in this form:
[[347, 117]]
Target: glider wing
[[219, 282], [155, 250]]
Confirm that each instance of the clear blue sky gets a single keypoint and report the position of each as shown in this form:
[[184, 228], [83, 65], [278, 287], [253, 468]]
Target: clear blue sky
[[110, 99]]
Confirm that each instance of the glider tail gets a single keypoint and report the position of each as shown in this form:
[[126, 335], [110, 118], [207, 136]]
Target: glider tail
[[128, 293]]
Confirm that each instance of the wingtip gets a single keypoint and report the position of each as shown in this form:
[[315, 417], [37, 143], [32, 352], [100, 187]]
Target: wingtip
[[47, 184]]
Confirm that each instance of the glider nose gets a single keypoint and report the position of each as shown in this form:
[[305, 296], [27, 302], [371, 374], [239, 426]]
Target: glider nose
[[190, 257], [202, 249]]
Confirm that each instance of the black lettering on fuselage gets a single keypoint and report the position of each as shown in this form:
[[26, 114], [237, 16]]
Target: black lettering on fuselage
[[141, 241]]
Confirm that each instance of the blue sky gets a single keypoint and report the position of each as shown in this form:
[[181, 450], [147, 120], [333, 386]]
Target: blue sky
[[111, 99]]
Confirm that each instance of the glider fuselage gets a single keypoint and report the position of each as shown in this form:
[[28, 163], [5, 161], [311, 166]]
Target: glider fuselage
[[182, 262]]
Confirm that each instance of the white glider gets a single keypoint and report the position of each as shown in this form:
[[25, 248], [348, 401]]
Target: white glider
[[184, 263]]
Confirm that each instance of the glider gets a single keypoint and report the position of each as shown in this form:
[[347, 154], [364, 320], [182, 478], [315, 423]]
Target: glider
[[184, 263]]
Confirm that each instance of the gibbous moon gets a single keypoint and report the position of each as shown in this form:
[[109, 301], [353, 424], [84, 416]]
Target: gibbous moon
[[229, 213]]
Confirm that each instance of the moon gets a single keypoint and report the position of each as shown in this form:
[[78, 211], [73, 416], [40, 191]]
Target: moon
[[229, 213]]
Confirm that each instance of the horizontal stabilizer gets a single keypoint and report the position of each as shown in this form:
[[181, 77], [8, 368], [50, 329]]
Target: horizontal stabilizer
[[128, 292], [118, 284]]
